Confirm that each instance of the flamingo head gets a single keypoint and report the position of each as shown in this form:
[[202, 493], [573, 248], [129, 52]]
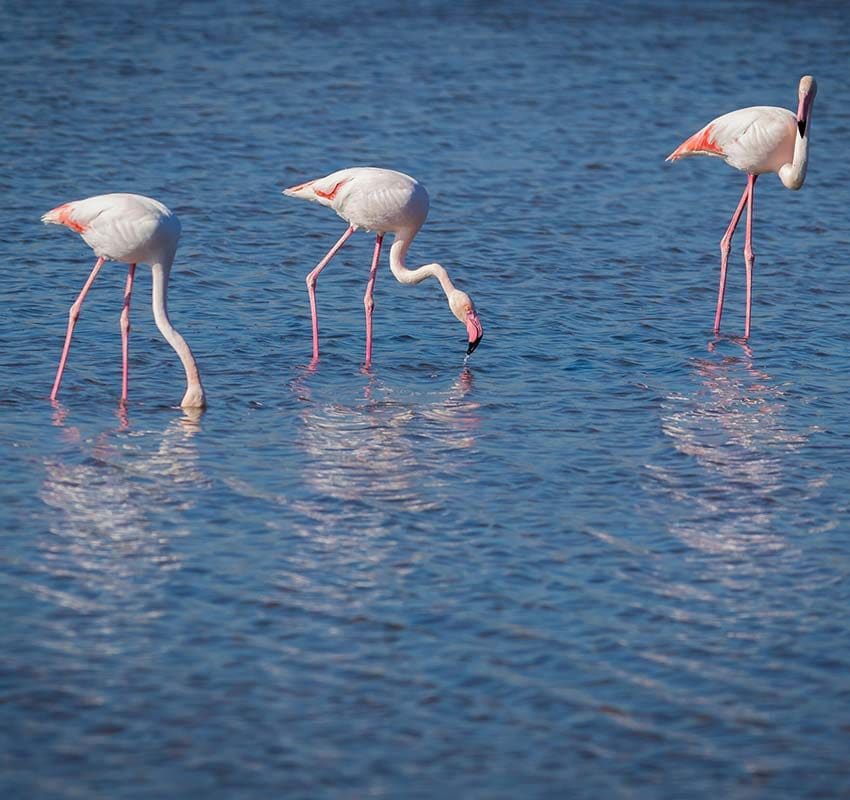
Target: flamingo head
[[194, 397], [464, 309], [808, 85], [807, 91]]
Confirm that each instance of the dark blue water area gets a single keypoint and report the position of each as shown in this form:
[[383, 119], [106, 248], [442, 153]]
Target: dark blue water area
[[605, 557]]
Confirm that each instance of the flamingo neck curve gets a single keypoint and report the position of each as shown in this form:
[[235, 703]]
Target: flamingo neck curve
[[398, 252], [194, 397], [794, 174]]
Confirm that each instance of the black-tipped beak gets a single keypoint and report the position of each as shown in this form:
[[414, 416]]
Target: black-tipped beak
[[474, 330]]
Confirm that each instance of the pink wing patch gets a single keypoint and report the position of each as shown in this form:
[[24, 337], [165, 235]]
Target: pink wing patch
[[332, 193], [61, 215], [701, 143]]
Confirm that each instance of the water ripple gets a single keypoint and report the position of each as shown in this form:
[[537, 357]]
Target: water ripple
[[605, 556]]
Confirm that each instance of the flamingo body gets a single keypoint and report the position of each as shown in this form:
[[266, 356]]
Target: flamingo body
[[132, 229], [377, 200], [755, 140], [128, 228], [382, 201]]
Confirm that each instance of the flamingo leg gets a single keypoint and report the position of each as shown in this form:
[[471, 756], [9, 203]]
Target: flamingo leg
[[312, 280], [749, 256], [725, 247], [125, 333], [368, 302], [73, 316]]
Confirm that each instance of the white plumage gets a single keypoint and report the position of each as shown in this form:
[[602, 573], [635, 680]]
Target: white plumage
[[756, 140], [120, 227], [382, 201], [132, 229], [376, 200]]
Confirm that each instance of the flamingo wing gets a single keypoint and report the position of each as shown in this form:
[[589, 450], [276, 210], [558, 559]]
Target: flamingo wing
[[322, 190], [116, 226], [756, 140], [370, 198]]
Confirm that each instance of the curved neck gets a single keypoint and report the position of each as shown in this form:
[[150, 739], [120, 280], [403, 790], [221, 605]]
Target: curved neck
[[194, 396], [792, 175], [398, 251]]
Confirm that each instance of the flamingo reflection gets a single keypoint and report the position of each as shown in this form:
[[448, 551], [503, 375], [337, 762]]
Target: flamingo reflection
[[386, 453], [106, 499], [733, 431]]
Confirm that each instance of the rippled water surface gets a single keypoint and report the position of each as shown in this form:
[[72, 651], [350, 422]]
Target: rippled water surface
[[607, 557]]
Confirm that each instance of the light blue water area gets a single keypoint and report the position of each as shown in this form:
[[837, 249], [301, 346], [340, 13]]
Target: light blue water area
[[607, 557]]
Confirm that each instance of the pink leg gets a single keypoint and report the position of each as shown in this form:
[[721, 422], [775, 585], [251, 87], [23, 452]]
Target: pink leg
[[749, 257], [313, 278], [725, 247], [368, 302], [125, 333], [72, 321]]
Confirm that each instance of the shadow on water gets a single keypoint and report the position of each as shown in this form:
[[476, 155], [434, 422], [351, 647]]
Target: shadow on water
[[732, 430]]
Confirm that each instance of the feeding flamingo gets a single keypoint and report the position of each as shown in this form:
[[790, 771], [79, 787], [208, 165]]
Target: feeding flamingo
[[131, 229], [755, 140], [382, 201]]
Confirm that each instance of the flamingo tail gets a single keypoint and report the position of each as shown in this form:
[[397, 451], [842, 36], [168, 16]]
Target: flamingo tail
[[702, 143], [61, 215]]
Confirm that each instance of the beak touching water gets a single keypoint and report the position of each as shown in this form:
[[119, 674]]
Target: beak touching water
[[474, 329]]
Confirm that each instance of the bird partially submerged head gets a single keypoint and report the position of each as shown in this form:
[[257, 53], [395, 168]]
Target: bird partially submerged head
[[464, 309]]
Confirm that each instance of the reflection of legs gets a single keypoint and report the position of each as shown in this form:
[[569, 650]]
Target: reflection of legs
[[125, 332], [749, 257], [72, 321], [725, 247], [313, 278], [368, 302]]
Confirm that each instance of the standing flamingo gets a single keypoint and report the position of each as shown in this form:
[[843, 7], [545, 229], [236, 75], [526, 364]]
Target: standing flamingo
[[382, 201], [131, 229], [755, 140]]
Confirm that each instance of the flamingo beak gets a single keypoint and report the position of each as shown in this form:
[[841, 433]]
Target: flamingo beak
[[473, 329], [803, 114], [804, 109]]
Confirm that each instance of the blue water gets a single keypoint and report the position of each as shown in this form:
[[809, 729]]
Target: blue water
[[606, 558]]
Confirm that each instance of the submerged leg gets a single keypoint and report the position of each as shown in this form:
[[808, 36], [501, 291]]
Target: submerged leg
[[725, 247], [125, 332], [73, 315], [368, 302], [313, 278], [749, 256]]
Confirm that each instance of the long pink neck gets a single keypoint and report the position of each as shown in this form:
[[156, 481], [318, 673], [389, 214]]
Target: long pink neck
[[398, 251]]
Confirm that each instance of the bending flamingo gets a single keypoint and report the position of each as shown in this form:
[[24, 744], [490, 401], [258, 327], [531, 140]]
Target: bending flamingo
[[131, 229], [755, 140], [382, 201]]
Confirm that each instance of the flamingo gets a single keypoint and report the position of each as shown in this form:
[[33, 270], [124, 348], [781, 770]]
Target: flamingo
[[382, 201], [131, 229], [755, 140]]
